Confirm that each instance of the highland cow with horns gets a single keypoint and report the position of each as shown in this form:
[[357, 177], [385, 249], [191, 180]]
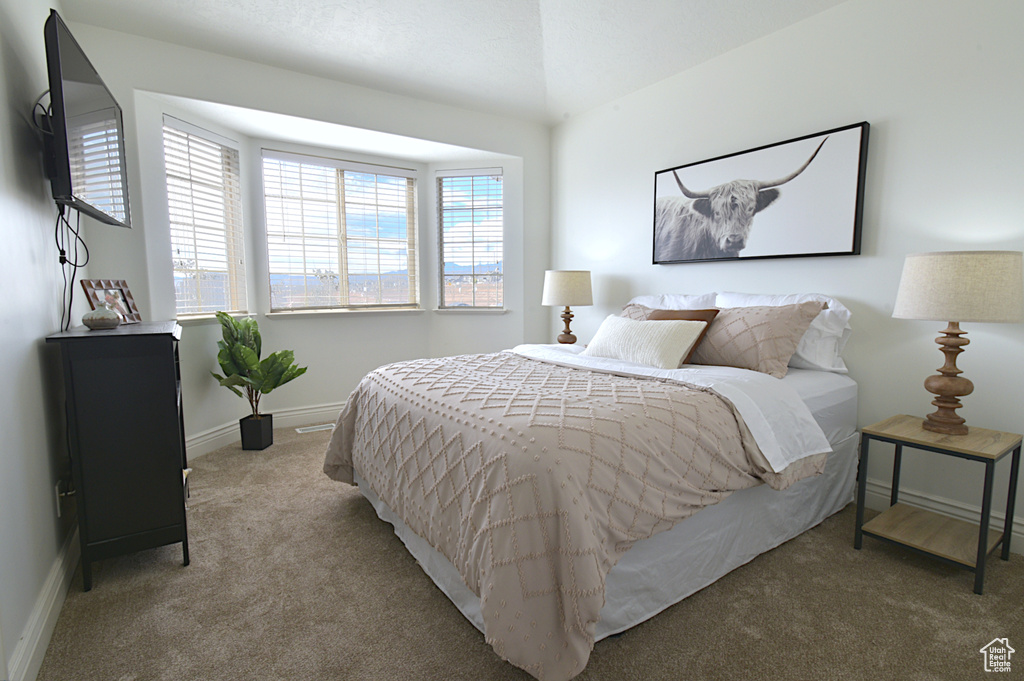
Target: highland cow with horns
[[714, 223]]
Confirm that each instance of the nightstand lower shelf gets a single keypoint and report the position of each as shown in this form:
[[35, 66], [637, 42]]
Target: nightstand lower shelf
[[933, 533]]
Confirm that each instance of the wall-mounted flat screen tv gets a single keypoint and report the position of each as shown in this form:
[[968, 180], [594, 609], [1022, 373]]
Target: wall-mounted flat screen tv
[[85, 147]]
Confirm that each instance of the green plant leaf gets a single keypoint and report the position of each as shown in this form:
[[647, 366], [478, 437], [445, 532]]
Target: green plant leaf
[[249, 334], [245, 359], [257, 339], [228, 329], [227, 363], [270, 372], [254, 382], [293, 372], [228, 383]]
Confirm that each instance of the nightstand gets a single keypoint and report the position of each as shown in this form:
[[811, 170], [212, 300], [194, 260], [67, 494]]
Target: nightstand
[[953, 541]]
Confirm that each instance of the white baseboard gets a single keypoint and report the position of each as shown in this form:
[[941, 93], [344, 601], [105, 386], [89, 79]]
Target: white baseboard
[[214, 438], [27, 656], [3, 658], [879, 493]]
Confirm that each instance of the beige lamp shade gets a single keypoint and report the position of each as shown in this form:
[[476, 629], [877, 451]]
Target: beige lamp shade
[[567, 288], [962, 286]]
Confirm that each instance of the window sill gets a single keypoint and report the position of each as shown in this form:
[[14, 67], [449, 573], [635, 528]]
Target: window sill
[[197, 319], [363, 311], [471, 310]]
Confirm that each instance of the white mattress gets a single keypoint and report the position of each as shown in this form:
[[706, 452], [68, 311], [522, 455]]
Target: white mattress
[[708, 545]]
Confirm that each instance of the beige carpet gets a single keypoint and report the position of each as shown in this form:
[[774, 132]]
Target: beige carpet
[[294, 577]]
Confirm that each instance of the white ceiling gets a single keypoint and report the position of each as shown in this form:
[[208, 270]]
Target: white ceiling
[[537, 59], [264, 125]]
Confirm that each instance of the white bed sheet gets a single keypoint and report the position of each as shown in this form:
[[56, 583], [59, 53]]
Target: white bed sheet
[[709, 544]]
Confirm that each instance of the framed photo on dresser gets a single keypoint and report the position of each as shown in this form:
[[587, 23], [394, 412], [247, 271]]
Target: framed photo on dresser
[[115, 294]]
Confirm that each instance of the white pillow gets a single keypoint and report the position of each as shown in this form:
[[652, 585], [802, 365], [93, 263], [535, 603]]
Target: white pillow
[[677, 301], [821, 346], [662, 343]]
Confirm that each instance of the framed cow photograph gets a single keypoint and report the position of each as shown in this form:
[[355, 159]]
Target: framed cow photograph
[[802, 197]]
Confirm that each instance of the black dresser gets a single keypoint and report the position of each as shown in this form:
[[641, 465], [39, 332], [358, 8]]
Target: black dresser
[[126, 438]]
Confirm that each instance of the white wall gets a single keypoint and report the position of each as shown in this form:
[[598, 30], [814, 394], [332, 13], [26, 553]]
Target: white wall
[[939, 82], [338, 348], [32, 455]]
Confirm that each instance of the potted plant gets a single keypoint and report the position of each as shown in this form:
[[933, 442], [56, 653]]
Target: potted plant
[[239, 359]]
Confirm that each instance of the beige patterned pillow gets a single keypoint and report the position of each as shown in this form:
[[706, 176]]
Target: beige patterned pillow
[[636, 312], [760, 338]]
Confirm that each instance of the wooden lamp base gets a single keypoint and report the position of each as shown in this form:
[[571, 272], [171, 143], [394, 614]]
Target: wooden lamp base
[[948, 386], [566, 336]]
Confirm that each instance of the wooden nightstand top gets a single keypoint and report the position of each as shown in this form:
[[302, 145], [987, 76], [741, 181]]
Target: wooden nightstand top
[[981, 442]]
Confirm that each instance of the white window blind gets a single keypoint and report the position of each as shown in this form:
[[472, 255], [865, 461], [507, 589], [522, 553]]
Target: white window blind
[[95, 156], [339, 235], [204, 203], [470, 215]]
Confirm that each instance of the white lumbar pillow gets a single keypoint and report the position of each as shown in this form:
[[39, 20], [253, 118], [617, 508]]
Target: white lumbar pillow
[[662, 343]]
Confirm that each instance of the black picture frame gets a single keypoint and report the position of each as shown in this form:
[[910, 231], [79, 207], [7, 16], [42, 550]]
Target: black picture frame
[[810, 189]]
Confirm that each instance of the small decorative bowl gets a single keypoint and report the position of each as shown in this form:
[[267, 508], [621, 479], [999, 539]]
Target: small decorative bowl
[[101, 318]]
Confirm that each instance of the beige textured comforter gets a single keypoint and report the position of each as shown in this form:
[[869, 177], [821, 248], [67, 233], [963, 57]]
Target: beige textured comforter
[[533, 479]]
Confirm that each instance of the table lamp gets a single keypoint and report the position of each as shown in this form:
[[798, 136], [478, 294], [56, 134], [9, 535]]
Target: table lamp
[[966, 286], [567, 287]]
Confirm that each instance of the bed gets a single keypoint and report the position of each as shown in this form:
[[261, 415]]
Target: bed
[[554, 495]]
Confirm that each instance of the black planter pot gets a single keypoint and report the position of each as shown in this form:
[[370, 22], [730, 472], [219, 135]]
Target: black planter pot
[[257, 433]]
